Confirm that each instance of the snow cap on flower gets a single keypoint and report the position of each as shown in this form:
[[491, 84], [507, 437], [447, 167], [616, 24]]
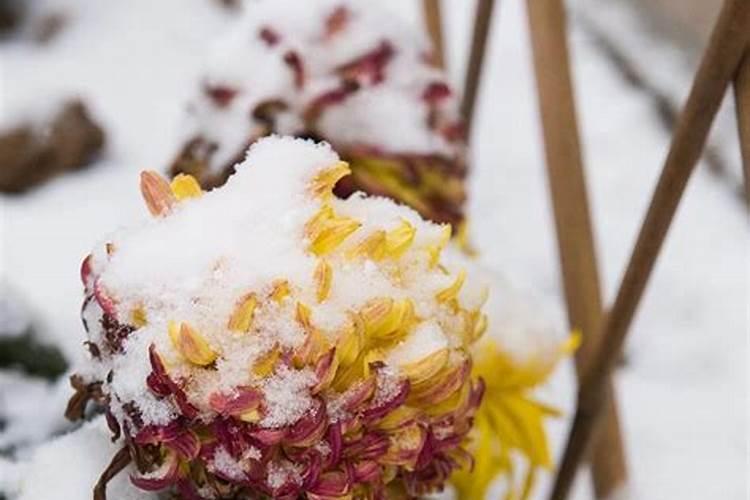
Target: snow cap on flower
[[268, 338], [345, 71]]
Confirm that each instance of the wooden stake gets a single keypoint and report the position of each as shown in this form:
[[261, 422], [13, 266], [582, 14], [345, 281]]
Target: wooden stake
[[719, 64], [570, 202], [742, 104], [434, 23], [482, 23]]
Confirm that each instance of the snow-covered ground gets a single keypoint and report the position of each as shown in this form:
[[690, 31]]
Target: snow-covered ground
[[684, 389]]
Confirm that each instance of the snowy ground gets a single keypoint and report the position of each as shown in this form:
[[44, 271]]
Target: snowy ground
[[683, 391]]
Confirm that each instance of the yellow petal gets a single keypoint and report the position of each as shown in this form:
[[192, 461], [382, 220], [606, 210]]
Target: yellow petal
[[351, 340], [315, 343], [398, 240], [373, 247], [427, 367], [303, 316], [251, 417], [451, 292], [190, 344], [435, 249], [384, 317], [242, 317], [332, 234], [156, 193], [280, 291], [323, 183], [398, 417], [138, 317], [185, 186], [318, 221], [265, 365], [322, 278]]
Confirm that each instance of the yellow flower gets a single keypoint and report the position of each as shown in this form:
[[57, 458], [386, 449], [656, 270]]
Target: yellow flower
[[510, 421]]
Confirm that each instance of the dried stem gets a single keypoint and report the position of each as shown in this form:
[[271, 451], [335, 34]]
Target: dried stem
[[118, 463], [570, 203], [434, 24], [482, 23], [719, 64], [742, 100]]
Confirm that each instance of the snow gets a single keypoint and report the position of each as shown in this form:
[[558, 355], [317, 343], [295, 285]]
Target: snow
[[69, 467], [281, 473], [427, 337], [287, 396], [15, 318], [224, 463], [683, 391], [32, 409]]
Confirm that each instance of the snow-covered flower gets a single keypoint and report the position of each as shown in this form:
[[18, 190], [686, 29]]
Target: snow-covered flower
[[269, 339], [343, 71]]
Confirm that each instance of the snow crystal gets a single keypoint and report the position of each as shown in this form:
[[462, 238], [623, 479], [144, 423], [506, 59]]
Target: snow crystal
[[282, 472], [388, 387], [287, 397], [225, 464]]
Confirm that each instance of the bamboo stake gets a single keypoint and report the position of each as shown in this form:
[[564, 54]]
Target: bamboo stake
[[482, 23], [720, 61], [742, 103], [434, 24], [570, 203]]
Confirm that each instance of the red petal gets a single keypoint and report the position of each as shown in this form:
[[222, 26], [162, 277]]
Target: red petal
[[436, 91], [270, 437], [221, 95], [86, 270], [367, 471], [162, 478], [157, 434], [337, 21], [187, 445], [105, 301], [360, 394], [378, 411], [371, 446], [330, 485], [243, 400], [293, 60], [309, 429], [335, 442], [269, 36]]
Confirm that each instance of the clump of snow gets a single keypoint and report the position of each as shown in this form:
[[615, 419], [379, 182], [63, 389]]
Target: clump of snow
[[427, 337], [287, 396], [225, 464], [282, 472]]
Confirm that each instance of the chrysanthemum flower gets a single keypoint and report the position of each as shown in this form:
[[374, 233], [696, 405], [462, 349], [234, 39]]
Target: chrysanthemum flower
[[510, 424], [267, 339], [339, 70]]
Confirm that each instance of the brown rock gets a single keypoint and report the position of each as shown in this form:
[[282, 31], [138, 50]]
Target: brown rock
[[33, 153]]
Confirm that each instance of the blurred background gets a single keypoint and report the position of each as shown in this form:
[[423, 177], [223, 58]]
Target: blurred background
[[107, 83]]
